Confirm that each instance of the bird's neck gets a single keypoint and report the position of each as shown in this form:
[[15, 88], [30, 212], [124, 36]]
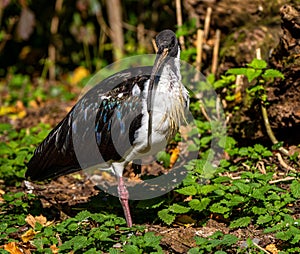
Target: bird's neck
[[172, 67]]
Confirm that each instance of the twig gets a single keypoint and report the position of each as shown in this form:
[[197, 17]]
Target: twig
[[207, 22], [154, 45], [258, 53], [140, 34], [179, 22], [261, 167], [53, 30], [283, 164], [269, 130], [199, 50], [218, 107], [114, 13], [104, 27], [261, 248], [266, 118], [203, 111], [238, 83], [288, 178], [216, 52]]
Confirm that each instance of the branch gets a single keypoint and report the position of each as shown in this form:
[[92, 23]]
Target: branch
[[216, 52], [207, 22], [269, 130], [179, 21], [266, 118], [288, 178], [283, 164]]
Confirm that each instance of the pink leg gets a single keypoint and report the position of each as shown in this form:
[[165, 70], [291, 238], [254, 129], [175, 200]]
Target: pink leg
[[123, 196]]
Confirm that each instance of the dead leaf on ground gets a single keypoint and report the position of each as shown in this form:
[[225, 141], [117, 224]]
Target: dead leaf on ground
[[54, 249], [12, 248], [185, 220], [40, 219], [28, 235], [272, 248]]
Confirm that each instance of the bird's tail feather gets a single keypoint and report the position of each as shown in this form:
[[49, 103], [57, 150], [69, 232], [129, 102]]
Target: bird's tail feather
[[55, 156]]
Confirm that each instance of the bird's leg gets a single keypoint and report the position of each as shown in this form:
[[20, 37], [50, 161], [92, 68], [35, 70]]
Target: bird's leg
[[123, 196]]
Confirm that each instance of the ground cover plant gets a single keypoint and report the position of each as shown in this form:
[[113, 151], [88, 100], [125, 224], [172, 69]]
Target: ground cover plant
[[248, 189]]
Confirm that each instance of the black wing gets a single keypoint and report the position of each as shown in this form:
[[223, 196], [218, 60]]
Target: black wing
[[99, 128]]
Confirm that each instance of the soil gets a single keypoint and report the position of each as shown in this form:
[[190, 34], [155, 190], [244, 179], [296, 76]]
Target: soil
[[69, 194], [274, 28]]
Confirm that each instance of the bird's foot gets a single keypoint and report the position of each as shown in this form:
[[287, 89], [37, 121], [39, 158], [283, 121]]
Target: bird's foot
[[123, 196]]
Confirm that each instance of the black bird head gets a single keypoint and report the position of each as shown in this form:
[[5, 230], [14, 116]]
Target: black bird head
[[167, 42], [167, 48]]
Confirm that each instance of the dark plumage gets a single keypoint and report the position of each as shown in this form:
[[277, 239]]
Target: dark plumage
[[130, 114], [55, 156]]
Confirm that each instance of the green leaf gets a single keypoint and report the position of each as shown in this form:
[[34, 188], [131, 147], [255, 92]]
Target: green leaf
[[166, 217], [227, 142], [258, 210], [189, 190], [296, 239], [164, 158], [199, 205], [262, 219], [258, 64], [241, 222], [5, 127], [243, 151], [151, 239], [195, 250], [73, 226], [285, 235], [243, 188], [229, 240], [219, 208], [237, 71], [207, 189], [201, 240], [271, 73], [205, 140], [250, 73], [83, 215], [76, 243], [295, 188], [175, 208], [131, 249], [253, 74], [236, 200]]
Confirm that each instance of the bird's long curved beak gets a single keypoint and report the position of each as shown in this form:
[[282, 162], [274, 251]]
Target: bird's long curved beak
[[157, 64], [159, 60]]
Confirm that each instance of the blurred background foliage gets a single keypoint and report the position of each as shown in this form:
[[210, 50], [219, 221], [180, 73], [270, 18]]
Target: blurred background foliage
[[35, 34]]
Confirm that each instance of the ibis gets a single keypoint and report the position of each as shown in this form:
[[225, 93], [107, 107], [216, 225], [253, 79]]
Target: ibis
[[129, 115]]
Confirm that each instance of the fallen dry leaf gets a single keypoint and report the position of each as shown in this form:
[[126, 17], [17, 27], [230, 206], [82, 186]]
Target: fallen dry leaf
[[30, 220], [174, 156], [272, 248], [40, 219], [14, 112], [28, 235], [185, 220], [78, 74], [54, 249], [12, 248]]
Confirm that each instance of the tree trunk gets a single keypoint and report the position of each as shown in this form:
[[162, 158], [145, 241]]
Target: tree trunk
[[114, 12]]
